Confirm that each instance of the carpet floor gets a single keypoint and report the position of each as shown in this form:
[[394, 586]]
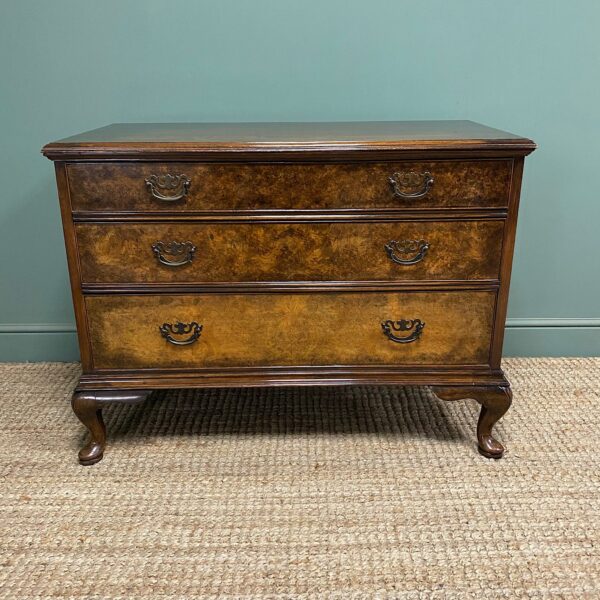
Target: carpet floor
[[346, 493]]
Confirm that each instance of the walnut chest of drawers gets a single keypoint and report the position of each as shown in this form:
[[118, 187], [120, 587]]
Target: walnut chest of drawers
[[290, 254]]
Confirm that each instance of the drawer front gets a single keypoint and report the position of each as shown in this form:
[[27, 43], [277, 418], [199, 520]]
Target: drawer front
[[177, 187], [196, 253], [228, 330]]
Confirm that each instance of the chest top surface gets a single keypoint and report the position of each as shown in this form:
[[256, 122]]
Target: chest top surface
[[141, 139]]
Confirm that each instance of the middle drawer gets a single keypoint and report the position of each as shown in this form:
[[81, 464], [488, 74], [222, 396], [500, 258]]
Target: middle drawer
[[255, 252]]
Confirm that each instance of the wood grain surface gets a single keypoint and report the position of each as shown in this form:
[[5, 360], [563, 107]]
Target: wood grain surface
[[122, 253], [290, 329], [275, 139], [233, 187]]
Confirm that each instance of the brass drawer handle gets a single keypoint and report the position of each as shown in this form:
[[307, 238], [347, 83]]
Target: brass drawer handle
[[168, 330], [420, 183], [179, 184], [182, 253], [414, 325], [418, 249]]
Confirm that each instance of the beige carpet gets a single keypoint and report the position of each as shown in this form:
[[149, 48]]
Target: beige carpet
[[302, 493]]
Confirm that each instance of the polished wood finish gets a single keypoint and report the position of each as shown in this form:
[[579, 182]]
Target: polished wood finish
[[290, 329], [276, 140], [88, 408], [508, 244], [290, 376], [235, 187], [251, 252], [73, 264], [290, 279], [495, 401]]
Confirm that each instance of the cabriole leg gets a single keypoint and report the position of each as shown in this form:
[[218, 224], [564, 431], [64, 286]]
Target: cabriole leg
[[88, 408], [494, 400]]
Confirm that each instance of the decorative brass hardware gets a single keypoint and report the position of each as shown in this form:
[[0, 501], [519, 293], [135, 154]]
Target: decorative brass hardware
[[414, 325], [419, 183], [168, 330], [180, 184], [182, 253], [418, 248]]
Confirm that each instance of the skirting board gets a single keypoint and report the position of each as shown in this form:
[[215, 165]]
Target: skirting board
[[552, 337], [524, 337]]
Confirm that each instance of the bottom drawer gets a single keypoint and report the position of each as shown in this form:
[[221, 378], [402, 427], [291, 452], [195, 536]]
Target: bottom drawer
[[235, 330]]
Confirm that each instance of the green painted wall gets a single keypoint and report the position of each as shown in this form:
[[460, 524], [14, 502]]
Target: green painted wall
[[529, 67]]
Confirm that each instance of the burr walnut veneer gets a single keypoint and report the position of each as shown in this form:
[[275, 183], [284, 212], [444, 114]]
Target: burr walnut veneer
[[257, 254]]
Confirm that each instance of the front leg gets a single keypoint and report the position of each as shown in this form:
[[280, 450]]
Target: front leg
[[89, 412], [494, 400], [88, 408]]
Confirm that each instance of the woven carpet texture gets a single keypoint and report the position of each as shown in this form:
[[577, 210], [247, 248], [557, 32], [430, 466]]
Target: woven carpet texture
[[297, 493]]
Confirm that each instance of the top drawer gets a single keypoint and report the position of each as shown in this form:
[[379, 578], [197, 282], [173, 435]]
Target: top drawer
[[182, 187]]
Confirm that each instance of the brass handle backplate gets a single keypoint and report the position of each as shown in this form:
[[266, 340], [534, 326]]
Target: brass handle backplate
[[415, 326], [407, 252], [411, 185], [174, 254], [172, 332], [179, 185]]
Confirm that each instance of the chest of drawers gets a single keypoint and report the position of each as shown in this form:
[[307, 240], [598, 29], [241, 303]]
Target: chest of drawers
[[290, 254]]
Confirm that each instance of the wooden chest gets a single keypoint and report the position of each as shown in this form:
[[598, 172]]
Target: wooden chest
[[290, 254]]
